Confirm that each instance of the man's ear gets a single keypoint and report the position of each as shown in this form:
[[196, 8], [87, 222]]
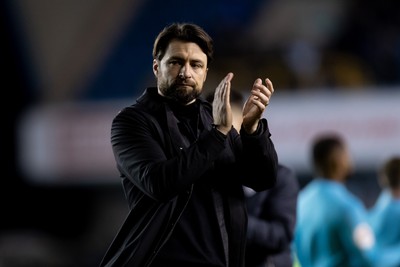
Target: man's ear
[[155, 67]]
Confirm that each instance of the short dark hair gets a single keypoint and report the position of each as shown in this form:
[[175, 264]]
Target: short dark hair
[[391, 172], [323, 148], [186, 32]]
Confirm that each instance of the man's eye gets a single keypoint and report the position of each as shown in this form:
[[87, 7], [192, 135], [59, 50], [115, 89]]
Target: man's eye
[[174, 62]]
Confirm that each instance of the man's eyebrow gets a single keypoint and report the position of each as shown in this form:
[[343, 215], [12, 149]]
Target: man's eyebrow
[[176, 57], [195, 60]]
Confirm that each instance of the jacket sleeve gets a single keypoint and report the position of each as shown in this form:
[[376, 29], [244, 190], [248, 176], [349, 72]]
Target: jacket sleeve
[[258, 158], [145, 156]]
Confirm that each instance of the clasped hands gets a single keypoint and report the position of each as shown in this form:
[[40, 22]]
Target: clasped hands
[[253, 107]]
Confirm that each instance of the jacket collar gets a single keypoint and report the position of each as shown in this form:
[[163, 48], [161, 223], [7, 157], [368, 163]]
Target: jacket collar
[[157, 106]]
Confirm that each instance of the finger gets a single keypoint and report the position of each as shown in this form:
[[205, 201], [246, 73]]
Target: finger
[[269, 85], [221, 86], [226, 87], [223, 90], [258, 81], [261, 93], [260, 105], [229, 77], [228, 90], [256, 86], [260, 99]]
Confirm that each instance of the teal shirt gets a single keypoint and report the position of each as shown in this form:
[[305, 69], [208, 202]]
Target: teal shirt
[[332, 229], [385, 220]]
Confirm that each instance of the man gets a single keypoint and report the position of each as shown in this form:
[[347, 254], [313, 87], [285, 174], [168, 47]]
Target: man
[[272, 218], [332, 224], [385, 214], [183, 165]]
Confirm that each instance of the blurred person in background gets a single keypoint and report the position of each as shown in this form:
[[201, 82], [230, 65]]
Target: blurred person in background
[[183, 166], [332, 226], [385, 214], [272, 219]]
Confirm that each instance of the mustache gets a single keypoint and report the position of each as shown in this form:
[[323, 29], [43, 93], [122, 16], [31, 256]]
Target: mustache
[[180, 82]]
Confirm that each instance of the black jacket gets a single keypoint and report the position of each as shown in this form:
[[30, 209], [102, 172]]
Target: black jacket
[[158, 169], [271, 222]]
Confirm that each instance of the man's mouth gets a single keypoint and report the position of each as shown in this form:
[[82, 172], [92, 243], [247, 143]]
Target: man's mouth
[[181, 85]]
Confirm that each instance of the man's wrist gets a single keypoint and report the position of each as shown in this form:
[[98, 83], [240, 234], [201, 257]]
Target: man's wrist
[[250, 130], [221, 129]]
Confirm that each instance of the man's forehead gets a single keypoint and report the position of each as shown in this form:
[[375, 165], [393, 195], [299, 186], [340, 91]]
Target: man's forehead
[[181, 47]]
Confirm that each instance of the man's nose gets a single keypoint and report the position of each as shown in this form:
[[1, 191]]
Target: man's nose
[[185, 72]]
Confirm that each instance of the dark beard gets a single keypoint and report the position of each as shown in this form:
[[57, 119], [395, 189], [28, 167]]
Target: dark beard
[[178, 94]]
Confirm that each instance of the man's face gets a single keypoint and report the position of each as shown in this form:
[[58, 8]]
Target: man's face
[[344, 161], [182, 72]]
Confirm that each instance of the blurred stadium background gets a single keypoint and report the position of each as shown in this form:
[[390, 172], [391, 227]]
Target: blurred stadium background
[[69, 66]]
